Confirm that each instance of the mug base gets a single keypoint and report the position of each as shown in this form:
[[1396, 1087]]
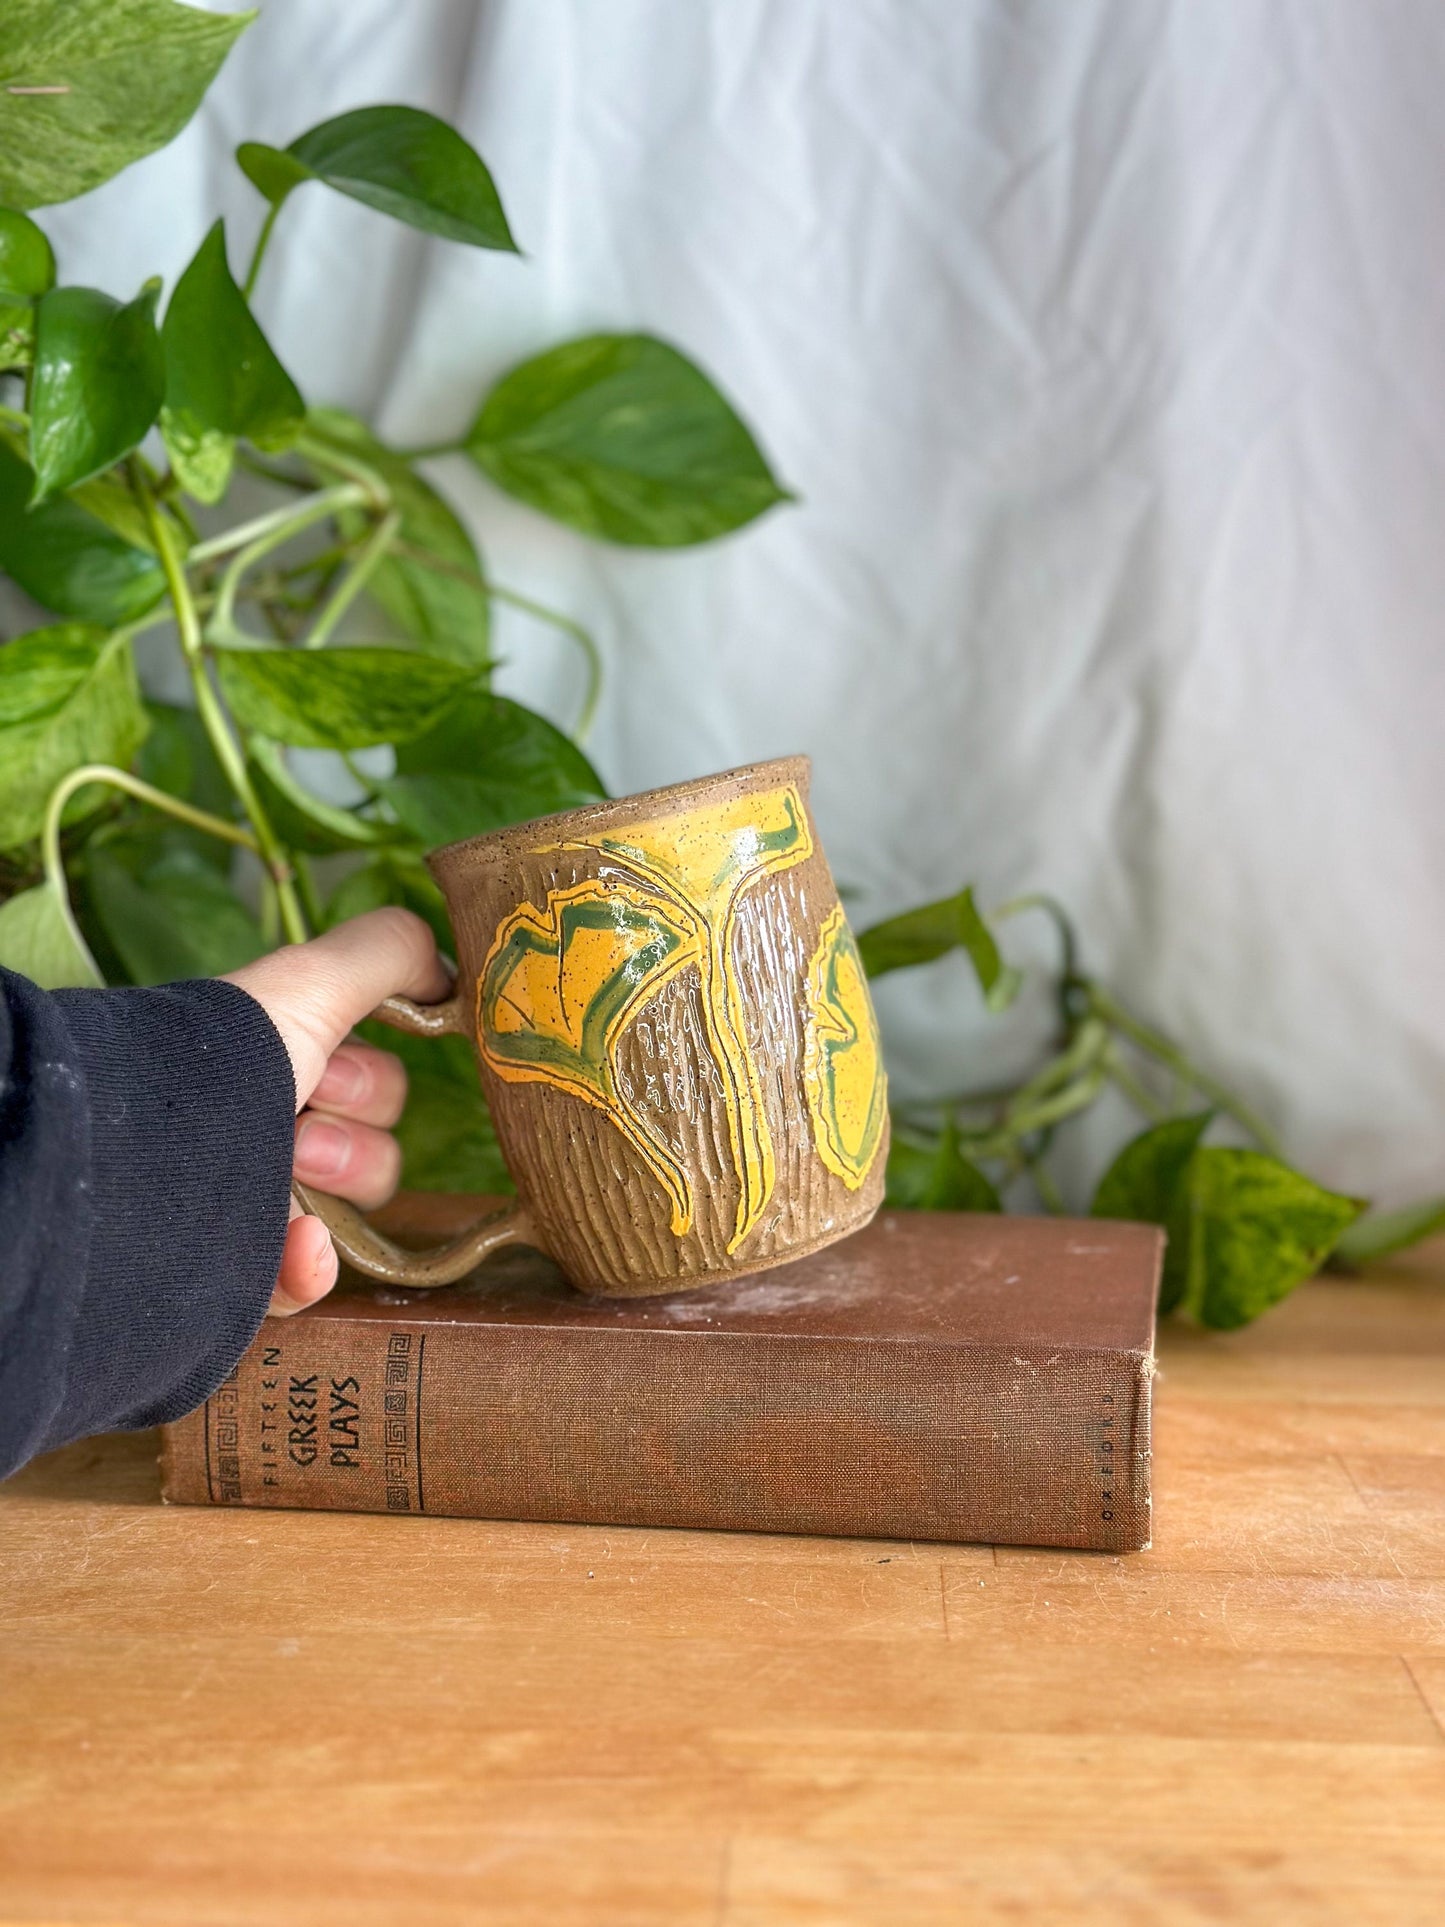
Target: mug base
[[730, 1274]]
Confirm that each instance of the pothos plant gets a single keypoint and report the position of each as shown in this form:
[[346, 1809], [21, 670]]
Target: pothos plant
[[349, 612]]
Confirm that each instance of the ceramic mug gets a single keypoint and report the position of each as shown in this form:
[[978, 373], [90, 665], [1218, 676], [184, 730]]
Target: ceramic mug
[[674, 1034]]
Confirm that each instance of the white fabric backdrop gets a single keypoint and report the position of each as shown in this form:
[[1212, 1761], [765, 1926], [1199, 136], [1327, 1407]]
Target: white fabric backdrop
[[1106, 346]]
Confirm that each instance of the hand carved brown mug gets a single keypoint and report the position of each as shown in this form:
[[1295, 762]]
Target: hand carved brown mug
[[675, 1038]]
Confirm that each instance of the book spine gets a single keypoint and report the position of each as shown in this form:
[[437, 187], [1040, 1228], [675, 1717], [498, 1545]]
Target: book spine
[[846, 1437]]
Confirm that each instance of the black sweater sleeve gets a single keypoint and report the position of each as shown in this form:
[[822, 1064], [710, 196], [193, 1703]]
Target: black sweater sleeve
[[145, 1161]]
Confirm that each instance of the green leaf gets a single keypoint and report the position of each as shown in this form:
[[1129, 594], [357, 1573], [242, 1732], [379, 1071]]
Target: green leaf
[[271, 170], [111, 502], [129, 75], [17, 331], [487, 763], [431, 586], [301, 819], [338, 698], [942, 1179], [1244, 1229], [97, 384], [37, 940], [1150, 1181], [624, 438], [66, 557], [1260, 1229], [934, 929], [27, 269], [27, 263], [68, 696], [395, 876], [165, 910], [402, 161], [1379, 1234], [222, 379], [177, 757]]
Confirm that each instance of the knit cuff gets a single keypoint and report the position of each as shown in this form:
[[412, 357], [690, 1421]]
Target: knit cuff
[[191, 1104]]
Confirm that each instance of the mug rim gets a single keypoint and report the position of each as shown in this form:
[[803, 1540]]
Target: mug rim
[[670, 797]]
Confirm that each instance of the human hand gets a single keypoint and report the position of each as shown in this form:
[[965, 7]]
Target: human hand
[[347, 1093]]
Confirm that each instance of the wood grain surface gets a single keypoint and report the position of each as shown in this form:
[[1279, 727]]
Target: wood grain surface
[[240, 1718]]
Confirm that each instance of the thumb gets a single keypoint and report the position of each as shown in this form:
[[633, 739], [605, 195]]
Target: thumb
[[315, 993]]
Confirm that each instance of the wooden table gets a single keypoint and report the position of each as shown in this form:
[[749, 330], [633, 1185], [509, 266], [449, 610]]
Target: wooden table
[[249, 1717]]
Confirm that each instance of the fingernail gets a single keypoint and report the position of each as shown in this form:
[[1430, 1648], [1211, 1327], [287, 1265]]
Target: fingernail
[[321, 1147], [342, 1082]]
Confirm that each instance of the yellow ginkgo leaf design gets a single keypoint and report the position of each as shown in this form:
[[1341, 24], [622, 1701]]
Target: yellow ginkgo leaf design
[[562, 983], [559, 987], [843, 1059]]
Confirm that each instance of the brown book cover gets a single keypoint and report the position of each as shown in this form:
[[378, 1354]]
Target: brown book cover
[[937, 1376]]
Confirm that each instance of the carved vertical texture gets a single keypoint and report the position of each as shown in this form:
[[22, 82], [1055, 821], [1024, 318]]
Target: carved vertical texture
[[605, 1216]]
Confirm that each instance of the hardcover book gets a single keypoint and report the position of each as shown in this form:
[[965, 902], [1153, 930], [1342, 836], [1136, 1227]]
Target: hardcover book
[[938, 1376]]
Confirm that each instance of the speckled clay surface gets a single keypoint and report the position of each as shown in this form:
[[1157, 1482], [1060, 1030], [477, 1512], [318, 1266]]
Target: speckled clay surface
[[673, 1031]]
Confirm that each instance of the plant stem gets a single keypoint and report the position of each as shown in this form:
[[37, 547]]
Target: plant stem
[[306, 885], [1050, 1196], [269, 472], [1142, 1099], [358, 775], [318, 564], [1070, 986], [989, 1100], [213, 717], [1082, 1051], [1085, 1052], [153, 620], [222, 626], [287, 520], [1055, 1108], [266, 914], [276, 623], [1003, 1140], [1063, 923], [1158, 1046], [14, 417], [408, 552], [354, 581], [578, 634], [323, 455], [263, 240], [79, 779], [144, 792], [169, 492]]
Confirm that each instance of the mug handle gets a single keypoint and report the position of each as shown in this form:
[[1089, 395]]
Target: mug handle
[[361, 1245]]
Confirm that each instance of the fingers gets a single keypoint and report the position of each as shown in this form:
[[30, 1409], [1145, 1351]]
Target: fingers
[[315, 992], [350, 1160], [382, 954], [308, 1266], [362, 1083]]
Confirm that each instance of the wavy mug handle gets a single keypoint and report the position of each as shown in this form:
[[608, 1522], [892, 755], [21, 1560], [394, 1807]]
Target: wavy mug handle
[[360, 1244]]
